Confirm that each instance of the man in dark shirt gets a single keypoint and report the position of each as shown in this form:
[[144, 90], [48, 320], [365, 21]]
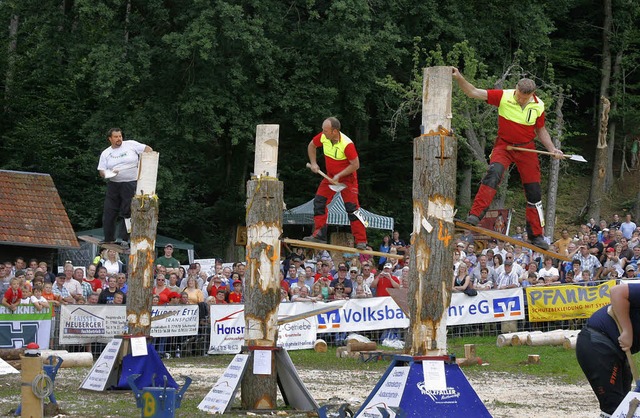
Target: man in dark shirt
[[107, 295]]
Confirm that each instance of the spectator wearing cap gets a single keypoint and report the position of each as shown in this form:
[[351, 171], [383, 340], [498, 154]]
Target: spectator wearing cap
[[324, 273], [167, 260], [631, 272], [342, 280], [236, 295], [215, 284], [384, 281], [612, 267], [507, 278], [491, 245], [461, 246]]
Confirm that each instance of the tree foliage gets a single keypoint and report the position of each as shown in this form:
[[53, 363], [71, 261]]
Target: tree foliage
[[192, 78]]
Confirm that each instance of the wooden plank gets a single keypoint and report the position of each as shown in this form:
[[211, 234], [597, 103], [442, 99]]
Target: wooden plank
[[322, 309], [340, 248], [507, 238], [115, 247]]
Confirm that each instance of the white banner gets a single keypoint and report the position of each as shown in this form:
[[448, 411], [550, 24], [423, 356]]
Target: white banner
[[227, 328], [80, 324], [24, 326], [363, 315], [487, 306]]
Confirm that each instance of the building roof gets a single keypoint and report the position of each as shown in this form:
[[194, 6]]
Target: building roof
[[303, 215], [31, 212]]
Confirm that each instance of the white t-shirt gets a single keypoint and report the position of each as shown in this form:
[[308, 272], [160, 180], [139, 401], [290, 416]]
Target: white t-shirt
[[41, 299], [124, 159]]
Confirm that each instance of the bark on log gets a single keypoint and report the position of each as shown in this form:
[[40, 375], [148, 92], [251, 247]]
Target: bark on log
[[11, 353], [144, 224], [434, 193], [265, 203], [358, 346]]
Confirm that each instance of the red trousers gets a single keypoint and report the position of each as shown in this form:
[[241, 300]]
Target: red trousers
[[529, 168], [324, 196]]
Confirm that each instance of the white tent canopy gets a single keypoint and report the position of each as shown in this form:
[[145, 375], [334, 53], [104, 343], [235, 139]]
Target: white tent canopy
[[303, 215]]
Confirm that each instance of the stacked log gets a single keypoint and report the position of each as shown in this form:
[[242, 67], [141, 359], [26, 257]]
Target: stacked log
[[514, 338], [551, 338]]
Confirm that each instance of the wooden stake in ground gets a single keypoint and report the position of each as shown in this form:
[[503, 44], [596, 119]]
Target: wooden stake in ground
[[434, 191], [144, 225], [262, 285]]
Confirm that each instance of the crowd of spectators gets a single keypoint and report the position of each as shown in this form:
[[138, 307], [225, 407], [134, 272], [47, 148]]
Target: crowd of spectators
[[598, 251]]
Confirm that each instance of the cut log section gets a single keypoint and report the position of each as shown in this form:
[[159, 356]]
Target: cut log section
[[533, 359], [320, 346], [570, 342]]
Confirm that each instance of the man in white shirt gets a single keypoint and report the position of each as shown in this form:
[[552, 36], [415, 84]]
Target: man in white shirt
[[507, 279], [119, 164]]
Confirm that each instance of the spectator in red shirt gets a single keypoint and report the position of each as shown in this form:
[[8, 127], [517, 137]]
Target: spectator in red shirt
[[13, 295], [384, 281], [236, 295]]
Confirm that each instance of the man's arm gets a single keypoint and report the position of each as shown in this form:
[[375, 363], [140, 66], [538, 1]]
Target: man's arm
[[311, 151], [620, 305], [545, 139], [468, 88], [353, 166]]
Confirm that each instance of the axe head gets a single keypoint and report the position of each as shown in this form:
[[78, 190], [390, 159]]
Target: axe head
[[338, 187]]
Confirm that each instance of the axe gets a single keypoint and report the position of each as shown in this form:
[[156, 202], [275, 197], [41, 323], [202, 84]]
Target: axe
[[335, 186], [574, 157]]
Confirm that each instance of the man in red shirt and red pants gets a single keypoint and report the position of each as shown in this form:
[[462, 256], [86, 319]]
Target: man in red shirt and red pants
[[342, 162], [520, 119]]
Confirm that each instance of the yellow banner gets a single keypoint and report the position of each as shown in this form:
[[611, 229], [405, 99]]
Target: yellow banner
[[553, 303]]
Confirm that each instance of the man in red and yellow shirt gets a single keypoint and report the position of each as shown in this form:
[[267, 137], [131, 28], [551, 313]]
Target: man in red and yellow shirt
[[520, 119], [342, 162]]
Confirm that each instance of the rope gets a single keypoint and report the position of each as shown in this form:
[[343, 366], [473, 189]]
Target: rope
[[42, 386]]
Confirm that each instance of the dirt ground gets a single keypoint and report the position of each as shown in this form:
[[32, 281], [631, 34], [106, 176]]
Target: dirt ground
[[504, 395]]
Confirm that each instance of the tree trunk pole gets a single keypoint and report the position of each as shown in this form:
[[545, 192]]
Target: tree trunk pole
[[434, 191], [262, 283], [597, 192], [144, 224], [554, 174]]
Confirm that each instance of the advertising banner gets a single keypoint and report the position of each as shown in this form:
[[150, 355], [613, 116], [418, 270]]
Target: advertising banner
[[554, 303], [80, 324], [24, 326], [227, 328], [363, 315], [487, 306]]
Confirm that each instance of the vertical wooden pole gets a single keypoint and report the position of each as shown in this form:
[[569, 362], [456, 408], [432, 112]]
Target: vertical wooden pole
[[265, 203], [32, 406], [144, 224], [434, 191]]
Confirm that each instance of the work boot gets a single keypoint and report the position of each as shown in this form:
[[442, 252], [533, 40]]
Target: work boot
[[361, 245], [472, 220], [320, 236], [539, 242]]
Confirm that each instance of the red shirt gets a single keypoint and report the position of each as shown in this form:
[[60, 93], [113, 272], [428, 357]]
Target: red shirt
[[511, 131], [384, 283], [163, 297], [336, 156], [95, 284], [12, 296], [235, 297]]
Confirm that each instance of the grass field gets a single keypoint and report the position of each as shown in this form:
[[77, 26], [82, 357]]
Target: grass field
[[557, 364]]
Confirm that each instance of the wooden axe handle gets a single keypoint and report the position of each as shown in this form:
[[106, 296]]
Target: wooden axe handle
[[511, 147], [332, 181]]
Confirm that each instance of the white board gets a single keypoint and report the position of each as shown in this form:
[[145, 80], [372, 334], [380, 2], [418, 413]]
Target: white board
[[222, 393], [98, 376], [6, 368]]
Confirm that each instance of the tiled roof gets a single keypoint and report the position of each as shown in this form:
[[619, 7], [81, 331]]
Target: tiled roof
[[31, 212]]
